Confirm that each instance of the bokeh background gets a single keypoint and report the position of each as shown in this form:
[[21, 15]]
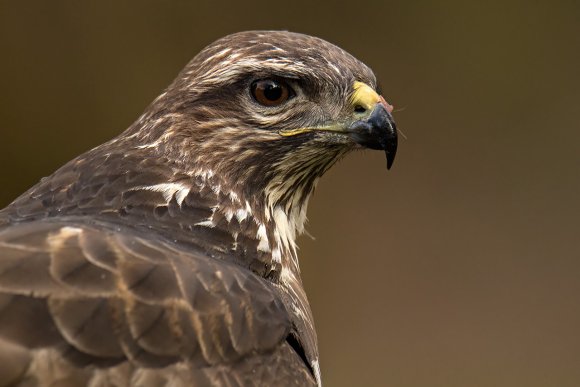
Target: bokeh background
[[460, 266]]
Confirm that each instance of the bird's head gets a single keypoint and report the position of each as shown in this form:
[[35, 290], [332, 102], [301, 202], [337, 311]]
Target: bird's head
[[272, 103], [268, 112]]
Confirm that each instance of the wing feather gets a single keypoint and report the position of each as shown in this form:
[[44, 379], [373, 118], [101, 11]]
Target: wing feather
[[92, 294]]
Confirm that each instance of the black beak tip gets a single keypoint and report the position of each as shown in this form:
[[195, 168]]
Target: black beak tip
[[385, 127], [390, 152], [391, 142]]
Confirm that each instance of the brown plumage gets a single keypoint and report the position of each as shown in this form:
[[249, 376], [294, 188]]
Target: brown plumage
[[166, 256]]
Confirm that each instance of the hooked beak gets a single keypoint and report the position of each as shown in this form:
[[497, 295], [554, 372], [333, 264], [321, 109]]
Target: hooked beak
[[378, 131], [374, 130]]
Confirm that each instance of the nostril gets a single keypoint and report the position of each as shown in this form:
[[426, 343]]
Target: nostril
[[359, 109]]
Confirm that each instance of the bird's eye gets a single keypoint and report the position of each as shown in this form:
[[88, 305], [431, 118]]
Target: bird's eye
[[269, 92]]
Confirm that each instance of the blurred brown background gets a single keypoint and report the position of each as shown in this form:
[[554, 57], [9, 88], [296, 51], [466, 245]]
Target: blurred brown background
[[461, 266]]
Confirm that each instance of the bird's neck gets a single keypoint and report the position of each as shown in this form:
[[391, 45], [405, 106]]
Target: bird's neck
[[262, 229]]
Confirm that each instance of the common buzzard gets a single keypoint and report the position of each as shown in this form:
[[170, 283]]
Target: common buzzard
[[167, 256]]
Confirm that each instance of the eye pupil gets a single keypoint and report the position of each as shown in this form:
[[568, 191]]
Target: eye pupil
[[270, 92]]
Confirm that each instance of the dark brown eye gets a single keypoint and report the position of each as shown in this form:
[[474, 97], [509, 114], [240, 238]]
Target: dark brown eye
[[269, 92]]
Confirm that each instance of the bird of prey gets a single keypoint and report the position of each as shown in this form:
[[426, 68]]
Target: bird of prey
[[167, 255]]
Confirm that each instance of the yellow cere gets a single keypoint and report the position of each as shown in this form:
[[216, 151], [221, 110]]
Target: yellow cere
[[364, 96]]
